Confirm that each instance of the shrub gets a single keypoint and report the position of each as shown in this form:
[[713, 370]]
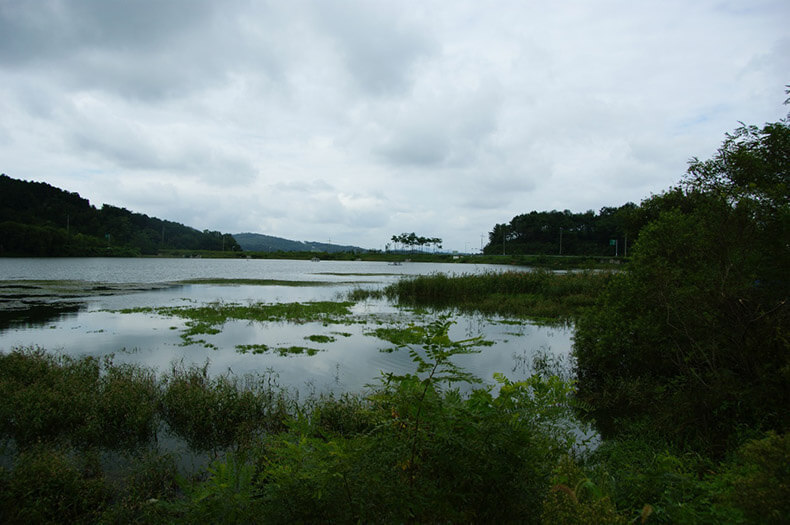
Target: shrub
[[48, 485]]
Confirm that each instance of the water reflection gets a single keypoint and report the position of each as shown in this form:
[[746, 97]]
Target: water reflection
[[350, 360], [38, 315]]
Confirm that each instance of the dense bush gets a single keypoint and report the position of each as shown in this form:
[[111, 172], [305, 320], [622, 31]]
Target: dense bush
[[215, 413], [690, 340], [83, 402]]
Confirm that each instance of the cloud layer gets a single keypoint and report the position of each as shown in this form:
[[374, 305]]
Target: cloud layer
[[356, 120]]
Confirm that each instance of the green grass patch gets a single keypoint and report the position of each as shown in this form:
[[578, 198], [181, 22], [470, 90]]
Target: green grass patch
[[319, 338]]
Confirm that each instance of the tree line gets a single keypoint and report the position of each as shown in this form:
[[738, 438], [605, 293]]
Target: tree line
[[37, 219], [610, 231], [412, 240]]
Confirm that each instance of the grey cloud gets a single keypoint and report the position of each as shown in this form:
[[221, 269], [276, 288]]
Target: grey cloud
[[377, 44], [448, 131], [144, 49], [304, 187], [132, 147], [47, 31]]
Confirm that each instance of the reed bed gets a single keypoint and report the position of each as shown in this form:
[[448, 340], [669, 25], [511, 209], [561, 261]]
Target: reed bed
[[537, 294]]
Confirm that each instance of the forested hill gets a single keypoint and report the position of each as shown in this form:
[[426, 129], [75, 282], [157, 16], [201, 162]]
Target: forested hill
[[37, 219], [257, 242]]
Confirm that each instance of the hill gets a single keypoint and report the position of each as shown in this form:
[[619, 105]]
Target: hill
[[37, 219], [256, 242]]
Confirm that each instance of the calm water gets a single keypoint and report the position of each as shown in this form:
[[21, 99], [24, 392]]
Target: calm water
[[93, 326], [118, 270]]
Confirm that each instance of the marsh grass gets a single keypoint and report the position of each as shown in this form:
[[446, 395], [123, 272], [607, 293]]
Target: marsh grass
[[537, 294], [84, 402], [215, 413]]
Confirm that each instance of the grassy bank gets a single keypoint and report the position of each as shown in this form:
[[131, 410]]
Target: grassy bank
[[539, 294], [80, 445]]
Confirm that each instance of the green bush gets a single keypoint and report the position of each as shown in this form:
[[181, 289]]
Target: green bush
[[48, 485], [761, 479], [84, 402], [691, 338], [211, 414]]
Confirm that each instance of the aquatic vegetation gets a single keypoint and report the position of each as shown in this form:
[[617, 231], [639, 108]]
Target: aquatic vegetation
[[257, 282], [296, 350], [279, 350], [207, 319], [259, 348], [537, 294], [319, 338], [411, 334]]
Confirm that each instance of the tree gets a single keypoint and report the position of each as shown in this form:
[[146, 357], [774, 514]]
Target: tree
[[691, 341]]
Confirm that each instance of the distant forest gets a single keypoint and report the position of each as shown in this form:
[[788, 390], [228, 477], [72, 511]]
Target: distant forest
[[37, 219], [256, 242], [611, 231]]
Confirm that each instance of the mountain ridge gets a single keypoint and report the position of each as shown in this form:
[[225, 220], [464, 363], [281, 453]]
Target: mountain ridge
[[259, 242]]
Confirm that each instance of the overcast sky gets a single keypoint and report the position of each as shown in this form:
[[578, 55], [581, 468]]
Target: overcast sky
[[357, 120]]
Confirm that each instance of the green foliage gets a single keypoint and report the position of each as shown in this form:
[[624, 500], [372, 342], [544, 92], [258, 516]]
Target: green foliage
[[574, 498], [642, 474], [47, 485], [566, 233], [413, 451], [691, 339], [761, 479], [225, 496]]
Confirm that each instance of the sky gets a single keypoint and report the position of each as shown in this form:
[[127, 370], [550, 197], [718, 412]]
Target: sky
[[352, 121]]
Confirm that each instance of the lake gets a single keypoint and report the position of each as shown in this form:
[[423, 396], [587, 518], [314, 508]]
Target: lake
[[135, 310]]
